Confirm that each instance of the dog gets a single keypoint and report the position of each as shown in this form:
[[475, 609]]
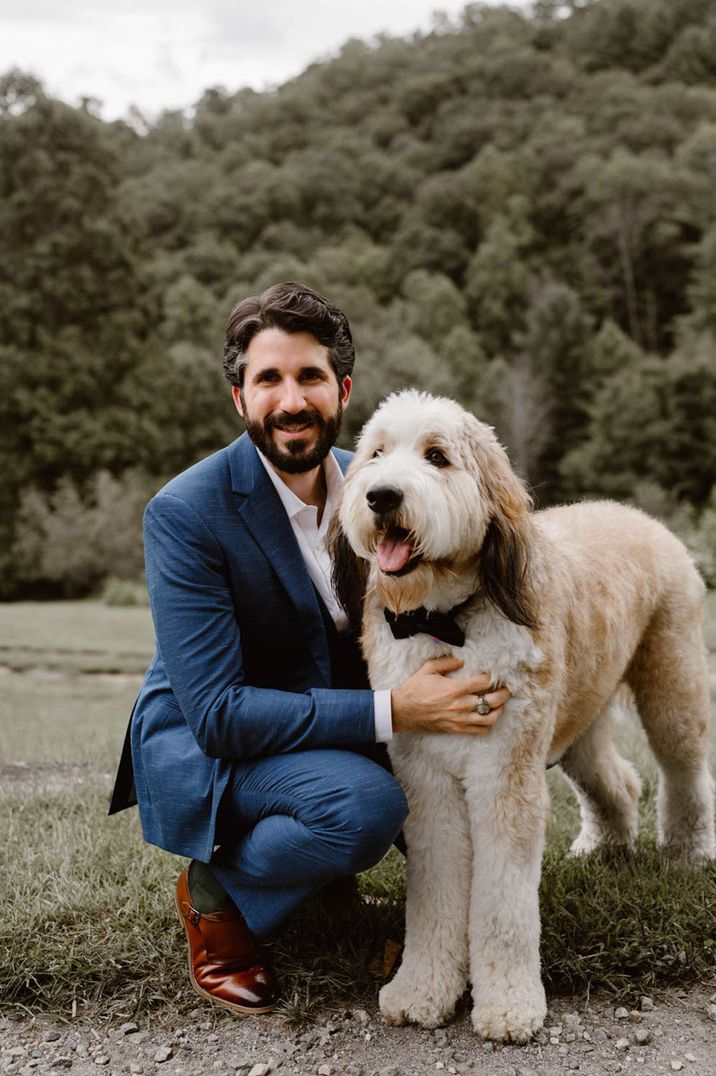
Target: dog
[[564, 607]]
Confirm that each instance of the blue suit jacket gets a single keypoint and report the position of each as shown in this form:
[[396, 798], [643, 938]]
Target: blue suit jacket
[[242, 665]]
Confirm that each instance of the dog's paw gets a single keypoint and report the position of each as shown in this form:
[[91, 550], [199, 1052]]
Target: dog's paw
[[406, 1000], [589, 839], [516, 1018]]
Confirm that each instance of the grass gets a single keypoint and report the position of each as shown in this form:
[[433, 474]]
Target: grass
[[88, 921], [75, 636]]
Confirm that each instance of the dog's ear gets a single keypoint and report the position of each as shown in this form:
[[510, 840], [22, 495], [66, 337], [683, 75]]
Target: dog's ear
[[349, 572], [505, 550]]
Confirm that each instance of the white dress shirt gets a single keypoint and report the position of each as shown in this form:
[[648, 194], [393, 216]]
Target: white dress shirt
[[311, 537]]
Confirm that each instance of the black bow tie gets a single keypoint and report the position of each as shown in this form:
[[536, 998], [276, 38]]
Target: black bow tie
[[420, 622]]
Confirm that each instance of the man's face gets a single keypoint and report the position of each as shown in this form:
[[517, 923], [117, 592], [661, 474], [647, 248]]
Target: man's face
[[290, 400]]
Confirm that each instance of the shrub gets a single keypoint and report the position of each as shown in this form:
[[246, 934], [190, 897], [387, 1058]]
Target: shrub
[[75, 539], [124, 592]]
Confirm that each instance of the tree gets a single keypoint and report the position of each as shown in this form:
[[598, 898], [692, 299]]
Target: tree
[[498, 279], [653, 420], [630, 201]]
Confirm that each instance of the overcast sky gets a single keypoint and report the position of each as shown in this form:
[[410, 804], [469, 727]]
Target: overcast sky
[[163, 53]]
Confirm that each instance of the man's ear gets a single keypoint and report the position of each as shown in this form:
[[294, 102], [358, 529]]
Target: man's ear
[[346, 387], [236, 394]]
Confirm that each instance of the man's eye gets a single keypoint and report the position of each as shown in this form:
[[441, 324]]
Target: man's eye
[[437, 458]]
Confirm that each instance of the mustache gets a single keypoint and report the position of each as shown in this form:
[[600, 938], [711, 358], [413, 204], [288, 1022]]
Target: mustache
[[298, 418]]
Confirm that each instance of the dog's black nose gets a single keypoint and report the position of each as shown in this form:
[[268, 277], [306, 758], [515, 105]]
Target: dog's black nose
[[382, 499]]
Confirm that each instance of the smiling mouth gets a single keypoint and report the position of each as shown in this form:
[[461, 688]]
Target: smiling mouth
[[291, 428], [394, 552]]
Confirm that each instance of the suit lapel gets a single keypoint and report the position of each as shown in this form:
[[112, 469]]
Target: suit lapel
[[266, 518]]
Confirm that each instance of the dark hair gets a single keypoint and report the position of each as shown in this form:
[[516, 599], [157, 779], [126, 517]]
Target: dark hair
[[293, 308]]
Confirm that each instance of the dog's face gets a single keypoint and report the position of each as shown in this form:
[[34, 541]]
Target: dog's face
[[413, 493], [430, 495]]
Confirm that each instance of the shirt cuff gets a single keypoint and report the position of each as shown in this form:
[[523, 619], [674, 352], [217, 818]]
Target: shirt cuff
[[383, 717]]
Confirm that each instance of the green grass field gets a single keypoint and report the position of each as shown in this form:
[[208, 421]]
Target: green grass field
[[88, 918]]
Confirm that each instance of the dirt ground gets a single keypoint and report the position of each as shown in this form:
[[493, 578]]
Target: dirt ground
[[673, 1031]]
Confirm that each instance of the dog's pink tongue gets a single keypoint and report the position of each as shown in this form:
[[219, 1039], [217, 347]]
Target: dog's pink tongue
[[392, 553]]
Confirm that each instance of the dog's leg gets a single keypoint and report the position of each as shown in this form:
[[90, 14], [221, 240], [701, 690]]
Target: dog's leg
[[433, 973], [508, 820], [669, 678], [607, 788]]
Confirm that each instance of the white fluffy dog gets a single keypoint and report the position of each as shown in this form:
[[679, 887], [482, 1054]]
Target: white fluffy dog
[[562, 606]]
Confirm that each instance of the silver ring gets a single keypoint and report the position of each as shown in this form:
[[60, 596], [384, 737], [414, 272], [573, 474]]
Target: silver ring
[[483, 707]]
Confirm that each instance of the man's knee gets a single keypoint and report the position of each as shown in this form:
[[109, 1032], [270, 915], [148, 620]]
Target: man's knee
[[370, 815]]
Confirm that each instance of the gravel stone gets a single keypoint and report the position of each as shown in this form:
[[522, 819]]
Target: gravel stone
[[711, 1012], [676, 1066], [262, 1069], [621, 1013], [51, 1036], [334, 1045], [127, 1029], [647, 1004], [101, 1059], [164, 1053]]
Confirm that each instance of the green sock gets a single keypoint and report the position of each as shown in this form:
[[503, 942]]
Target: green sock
[[206, 894]]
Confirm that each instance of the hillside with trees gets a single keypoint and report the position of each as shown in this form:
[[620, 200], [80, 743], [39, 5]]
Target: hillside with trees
[[517, 210]]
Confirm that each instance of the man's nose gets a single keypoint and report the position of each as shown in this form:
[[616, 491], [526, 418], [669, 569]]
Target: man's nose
[[292, 396]]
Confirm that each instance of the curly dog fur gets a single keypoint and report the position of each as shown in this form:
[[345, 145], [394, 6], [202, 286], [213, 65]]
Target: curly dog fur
[[565, 607]]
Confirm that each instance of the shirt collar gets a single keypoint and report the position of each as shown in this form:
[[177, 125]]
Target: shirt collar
[[293, 504]]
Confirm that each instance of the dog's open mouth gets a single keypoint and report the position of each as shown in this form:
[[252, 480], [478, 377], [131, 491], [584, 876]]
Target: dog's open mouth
[[394, 552]]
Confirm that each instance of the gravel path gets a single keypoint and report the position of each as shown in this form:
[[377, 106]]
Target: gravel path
[[673, 1032]]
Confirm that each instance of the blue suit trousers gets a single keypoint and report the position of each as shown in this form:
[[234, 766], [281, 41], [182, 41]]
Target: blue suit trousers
[[305, 818]]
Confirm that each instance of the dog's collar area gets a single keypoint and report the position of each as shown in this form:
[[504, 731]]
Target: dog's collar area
[[442, 626]]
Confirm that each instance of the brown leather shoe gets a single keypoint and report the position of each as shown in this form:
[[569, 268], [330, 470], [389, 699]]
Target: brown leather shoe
[[225, 964]]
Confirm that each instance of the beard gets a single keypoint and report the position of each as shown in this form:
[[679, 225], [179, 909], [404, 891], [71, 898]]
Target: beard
[[297, 457]]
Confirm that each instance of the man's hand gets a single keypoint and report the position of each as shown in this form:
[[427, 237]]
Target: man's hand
[[431, 702]]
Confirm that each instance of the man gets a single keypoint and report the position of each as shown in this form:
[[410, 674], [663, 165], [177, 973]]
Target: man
[[255, 741]]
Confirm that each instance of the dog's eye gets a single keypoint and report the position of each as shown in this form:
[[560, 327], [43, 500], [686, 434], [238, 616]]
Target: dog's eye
[[378, 452], [437, 458]]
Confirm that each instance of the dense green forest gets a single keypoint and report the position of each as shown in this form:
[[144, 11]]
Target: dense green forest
[[517, 210]]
